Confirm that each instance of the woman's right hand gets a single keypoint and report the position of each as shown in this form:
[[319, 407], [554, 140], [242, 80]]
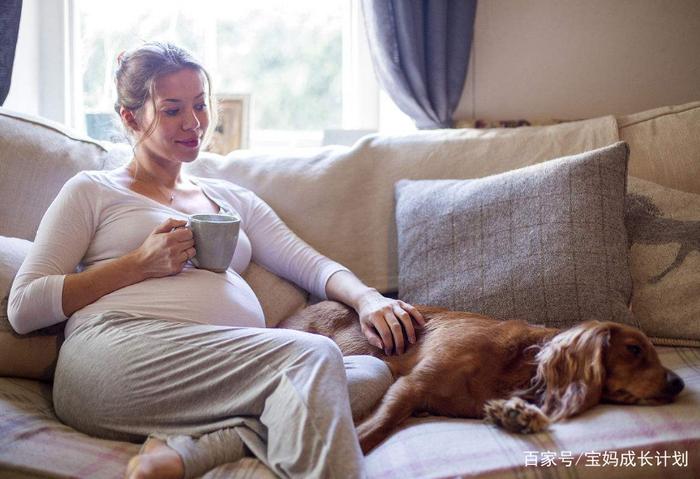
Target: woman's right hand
[[166, 250]]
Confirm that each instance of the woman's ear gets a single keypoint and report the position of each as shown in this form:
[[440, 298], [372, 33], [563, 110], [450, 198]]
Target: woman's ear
[[128, 118], [571, 370]]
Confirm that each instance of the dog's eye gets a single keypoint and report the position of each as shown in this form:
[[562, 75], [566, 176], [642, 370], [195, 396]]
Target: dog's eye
[[634, 349]]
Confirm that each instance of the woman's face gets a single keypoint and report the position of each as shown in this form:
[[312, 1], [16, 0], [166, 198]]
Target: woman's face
[[182, 117]]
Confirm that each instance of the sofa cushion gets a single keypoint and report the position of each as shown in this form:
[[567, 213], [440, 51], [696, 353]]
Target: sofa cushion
[[38, 157], [31, 355], [340, 200], [665, 145], [664, 234], [608, 441], [33, 443], [278, 297], [545, 243]]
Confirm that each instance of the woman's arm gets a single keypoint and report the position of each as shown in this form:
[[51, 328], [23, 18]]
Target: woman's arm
[[47, 289], [164, 253], [383, 320]]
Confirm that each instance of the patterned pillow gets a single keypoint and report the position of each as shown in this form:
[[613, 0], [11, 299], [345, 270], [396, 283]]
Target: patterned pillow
[[545, 243], [664, 234]]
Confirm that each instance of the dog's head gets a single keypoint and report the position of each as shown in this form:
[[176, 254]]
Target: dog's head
[[633, 372], [601, 361]]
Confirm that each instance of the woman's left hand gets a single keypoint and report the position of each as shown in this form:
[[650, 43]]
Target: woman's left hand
[[384, 320]]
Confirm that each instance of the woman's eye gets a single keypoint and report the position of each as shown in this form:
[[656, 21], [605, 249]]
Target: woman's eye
[[171, 112], [201, 107], [634, 349]]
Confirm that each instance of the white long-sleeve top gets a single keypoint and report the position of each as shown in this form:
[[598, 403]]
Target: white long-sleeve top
[[94, 220]]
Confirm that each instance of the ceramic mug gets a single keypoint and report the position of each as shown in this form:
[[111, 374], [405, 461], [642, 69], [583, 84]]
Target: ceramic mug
[[215, 238]]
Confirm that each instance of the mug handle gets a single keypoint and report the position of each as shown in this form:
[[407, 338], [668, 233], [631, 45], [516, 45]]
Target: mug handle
[[193, 259]]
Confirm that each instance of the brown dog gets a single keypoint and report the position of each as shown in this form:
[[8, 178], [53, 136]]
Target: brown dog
[[516, 375]]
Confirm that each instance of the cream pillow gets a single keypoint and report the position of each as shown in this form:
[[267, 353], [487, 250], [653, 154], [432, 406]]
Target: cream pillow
[[278, 297], [664, 145], [664, 233], [32, 355]]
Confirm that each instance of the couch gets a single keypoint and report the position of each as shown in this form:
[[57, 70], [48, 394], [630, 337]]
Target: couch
[[341, 201]]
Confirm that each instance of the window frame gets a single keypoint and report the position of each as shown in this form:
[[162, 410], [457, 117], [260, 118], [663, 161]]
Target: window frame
[[364, 107]]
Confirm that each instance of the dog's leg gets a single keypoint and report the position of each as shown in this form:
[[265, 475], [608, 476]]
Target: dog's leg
[[516, 415], [399, 402]]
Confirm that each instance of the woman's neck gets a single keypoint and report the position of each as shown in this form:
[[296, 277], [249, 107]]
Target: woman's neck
[[151, 171]]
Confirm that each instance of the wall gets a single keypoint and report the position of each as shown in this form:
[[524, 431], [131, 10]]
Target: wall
[[576, 59], [41, 73], [531, 59]]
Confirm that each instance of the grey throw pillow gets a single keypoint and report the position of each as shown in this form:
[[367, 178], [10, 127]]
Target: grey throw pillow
[[546, 243]]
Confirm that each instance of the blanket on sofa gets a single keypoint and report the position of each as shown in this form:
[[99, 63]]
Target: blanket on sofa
[[609, 441]]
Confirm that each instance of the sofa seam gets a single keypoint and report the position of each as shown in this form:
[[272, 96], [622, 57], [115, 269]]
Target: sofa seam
[[53, 128], [660, 115]]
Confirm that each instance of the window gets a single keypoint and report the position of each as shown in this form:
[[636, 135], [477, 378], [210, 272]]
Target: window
[[304, 63]]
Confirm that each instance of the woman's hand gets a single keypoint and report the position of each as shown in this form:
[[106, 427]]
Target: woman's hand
[[166, 250], [384, 320]]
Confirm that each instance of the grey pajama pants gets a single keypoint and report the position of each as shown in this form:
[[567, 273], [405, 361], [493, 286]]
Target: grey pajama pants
[[217, 393]]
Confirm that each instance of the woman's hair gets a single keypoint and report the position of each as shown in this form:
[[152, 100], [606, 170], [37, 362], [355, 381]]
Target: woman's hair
[[139, 68]]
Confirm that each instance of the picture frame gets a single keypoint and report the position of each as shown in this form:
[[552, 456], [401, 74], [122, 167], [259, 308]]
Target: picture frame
[[232, 129]]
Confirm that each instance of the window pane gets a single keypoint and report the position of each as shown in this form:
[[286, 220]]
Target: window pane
[[286, 55]]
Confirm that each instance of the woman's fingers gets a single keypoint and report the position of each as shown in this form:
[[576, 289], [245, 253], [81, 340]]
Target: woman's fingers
[[168, 225], [392, 321], [415, 314], [406, 322], [372, 337], [382, 328], [183, 234], [396, 331]]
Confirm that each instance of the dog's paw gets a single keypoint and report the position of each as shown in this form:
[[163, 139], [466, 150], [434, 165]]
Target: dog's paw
[[516, 415]]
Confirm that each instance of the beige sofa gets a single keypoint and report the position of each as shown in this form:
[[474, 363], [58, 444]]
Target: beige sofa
[[341, 201]]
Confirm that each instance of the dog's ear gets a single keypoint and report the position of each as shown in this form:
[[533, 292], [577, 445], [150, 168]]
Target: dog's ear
[[571, 370]]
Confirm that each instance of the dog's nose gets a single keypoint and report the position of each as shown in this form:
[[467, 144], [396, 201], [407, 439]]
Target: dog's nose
[[674, 384]]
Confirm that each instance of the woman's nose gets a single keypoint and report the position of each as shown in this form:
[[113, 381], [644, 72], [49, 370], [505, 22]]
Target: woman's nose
[[191, 121]]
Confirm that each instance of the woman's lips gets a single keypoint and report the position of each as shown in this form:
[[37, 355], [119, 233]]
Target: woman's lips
[[189, 143]]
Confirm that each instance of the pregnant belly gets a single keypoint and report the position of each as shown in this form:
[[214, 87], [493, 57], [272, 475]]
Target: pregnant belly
[[194, 295]]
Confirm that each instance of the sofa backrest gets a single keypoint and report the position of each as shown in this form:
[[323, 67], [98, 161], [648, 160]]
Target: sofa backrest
[[340, 199], [665, 145], [36, 158]]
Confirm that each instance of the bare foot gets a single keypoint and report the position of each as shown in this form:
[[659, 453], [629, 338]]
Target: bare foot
[[156, 461]]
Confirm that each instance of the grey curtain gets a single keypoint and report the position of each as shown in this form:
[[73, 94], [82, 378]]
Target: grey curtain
[[420, 50], [10, 11]]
